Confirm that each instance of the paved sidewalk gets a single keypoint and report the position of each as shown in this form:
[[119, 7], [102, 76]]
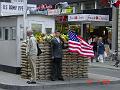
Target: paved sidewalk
[[14, 82]]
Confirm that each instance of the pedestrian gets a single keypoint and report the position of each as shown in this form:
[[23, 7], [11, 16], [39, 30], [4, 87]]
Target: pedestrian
[[94, 43], [32, 52], [56, 46], [101, 50]]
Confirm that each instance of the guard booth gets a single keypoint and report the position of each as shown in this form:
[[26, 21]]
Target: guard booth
[[11, 36]]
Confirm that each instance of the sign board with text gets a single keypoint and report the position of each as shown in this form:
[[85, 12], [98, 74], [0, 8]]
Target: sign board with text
[[88, 17], [67, 11], [13, 8], [53, 11]]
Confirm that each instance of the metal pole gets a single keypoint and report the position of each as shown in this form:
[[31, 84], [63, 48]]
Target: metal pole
[[118, 33], [114, 27], [24, 18]]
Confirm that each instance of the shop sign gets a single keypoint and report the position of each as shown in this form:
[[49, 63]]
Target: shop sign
[[88, 17], [44, 7], [13, 8], [77, 17], [54, 12], [39, 12], [67, 11]]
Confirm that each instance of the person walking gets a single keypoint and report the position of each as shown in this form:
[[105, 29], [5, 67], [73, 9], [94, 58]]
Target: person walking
[[32, 52], [94, 43], [56, 46], [101, 50]]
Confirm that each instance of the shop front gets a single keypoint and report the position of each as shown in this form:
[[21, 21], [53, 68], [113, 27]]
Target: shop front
[[86, 25]]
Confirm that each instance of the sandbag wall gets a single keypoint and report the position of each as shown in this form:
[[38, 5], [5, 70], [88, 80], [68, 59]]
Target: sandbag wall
[[73, 66]]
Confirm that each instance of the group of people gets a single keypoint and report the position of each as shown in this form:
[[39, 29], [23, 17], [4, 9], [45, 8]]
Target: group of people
[[33, 50], [57, 44], [99, 49]]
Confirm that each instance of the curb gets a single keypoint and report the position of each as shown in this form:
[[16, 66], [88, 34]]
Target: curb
[[42, 87]]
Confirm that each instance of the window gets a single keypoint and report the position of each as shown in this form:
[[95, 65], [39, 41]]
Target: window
[[89, 5], [36, 27], [9, 33], [48, 30], [12, 33], [1, 34], [6, 34]]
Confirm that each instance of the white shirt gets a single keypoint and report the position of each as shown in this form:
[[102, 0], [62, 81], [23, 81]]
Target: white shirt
[[32, 46], [58, 39]]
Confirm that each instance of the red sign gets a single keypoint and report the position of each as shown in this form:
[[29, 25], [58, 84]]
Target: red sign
[[44, 7], [61, 18]]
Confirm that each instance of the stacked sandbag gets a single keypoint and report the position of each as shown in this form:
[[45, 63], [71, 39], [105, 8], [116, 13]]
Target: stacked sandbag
[[44, 62], [24, 62], [73, 66]]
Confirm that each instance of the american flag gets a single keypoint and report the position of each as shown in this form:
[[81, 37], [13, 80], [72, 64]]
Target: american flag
[[78, 45]]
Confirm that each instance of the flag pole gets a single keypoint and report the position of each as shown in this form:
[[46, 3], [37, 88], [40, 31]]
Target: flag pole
[[24, 18]]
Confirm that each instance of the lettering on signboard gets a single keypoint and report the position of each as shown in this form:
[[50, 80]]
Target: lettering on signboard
[[5, 7], [12, 7], [44, 7], [20, 8]]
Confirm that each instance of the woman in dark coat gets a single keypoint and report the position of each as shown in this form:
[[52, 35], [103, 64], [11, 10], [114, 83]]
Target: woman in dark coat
[[94, 43], [101, 50]]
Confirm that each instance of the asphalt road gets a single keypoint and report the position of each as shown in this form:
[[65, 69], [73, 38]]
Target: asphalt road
[[90, 87], [97, 87], [105, 71]]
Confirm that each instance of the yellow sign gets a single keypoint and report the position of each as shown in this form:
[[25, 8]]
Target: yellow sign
[[67, 11]]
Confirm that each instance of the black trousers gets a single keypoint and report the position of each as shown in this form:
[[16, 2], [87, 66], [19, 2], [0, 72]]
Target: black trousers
[[56, 68]]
